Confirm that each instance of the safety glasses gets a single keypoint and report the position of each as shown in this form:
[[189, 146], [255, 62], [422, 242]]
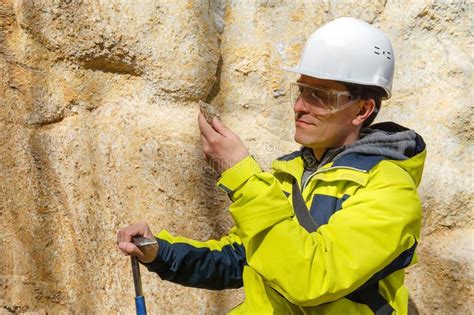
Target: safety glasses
[[329, 101]]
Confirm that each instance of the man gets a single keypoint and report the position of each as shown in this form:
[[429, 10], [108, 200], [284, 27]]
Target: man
[[348, 255]]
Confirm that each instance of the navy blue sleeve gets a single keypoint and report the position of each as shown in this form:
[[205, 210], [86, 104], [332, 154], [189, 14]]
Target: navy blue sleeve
[[200, 266]]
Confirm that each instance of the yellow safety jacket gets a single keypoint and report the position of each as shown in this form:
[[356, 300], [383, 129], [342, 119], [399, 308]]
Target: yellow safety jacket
[[369, 217]]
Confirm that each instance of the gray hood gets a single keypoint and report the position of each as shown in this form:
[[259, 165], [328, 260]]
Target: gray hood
[[387, 139]]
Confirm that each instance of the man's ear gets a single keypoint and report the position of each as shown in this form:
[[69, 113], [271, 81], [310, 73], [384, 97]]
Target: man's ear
[[366, 108]]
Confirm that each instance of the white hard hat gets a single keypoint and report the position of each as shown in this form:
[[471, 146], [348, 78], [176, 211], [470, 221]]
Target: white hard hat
[[349, 50]]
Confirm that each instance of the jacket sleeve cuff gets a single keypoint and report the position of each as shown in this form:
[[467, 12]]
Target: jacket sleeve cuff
[[159, 265], [234, 177]]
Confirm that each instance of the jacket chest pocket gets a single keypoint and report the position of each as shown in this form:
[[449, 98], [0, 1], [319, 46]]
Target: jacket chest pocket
[[327, 194], [324, 197], [324, 206]]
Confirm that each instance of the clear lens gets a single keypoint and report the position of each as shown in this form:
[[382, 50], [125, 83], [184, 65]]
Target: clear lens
[[311, 96], [330, 101]]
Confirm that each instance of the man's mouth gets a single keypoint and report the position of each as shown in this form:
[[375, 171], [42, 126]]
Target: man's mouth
[[302, 121]]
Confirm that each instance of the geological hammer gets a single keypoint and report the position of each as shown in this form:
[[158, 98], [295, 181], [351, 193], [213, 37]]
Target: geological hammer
[[140, 242]]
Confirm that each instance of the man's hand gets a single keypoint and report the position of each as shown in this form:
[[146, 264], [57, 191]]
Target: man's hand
[[145, 254], [222, 148]]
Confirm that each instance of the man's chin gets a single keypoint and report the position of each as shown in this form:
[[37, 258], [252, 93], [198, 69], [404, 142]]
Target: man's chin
[[302, 140], [309, 141]]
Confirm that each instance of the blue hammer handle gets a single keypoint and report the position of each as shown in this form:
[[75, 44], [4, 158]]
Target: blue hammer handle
[[139, 298], [140, 305]]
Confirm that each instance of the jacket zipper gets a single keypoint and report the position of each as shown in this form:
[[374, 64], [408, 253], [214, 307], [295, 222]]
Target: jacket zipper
[[330, 168]]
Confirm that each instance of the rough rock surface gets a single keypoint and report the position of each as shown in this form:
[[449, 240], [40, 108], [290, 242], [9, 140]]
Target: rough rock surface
[[98, 107]]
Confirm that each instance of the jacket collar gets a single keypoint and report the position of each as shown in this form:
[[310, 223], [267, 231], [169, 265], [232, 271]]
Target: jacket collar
[[352, 167]]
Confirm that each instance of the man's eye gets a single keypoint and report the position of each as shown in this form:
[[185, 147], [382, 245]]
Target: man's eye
[[318, 96]]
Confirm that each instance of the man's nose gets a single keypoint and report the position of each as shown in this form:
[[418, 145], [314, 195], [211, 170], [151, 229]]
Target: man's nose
[[300, 106]]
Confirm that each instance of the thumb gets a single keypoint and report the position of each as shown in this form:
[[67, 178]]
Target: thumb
[[220, 127]]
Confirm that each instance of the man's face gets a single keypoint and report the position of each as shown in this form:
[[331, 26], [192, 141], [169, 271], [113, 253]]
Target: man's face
[[317, 128]]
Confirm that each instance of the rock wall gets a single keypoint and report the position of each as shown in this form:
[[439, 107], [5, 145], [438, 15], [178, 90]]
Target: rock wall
[[98, 108]]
